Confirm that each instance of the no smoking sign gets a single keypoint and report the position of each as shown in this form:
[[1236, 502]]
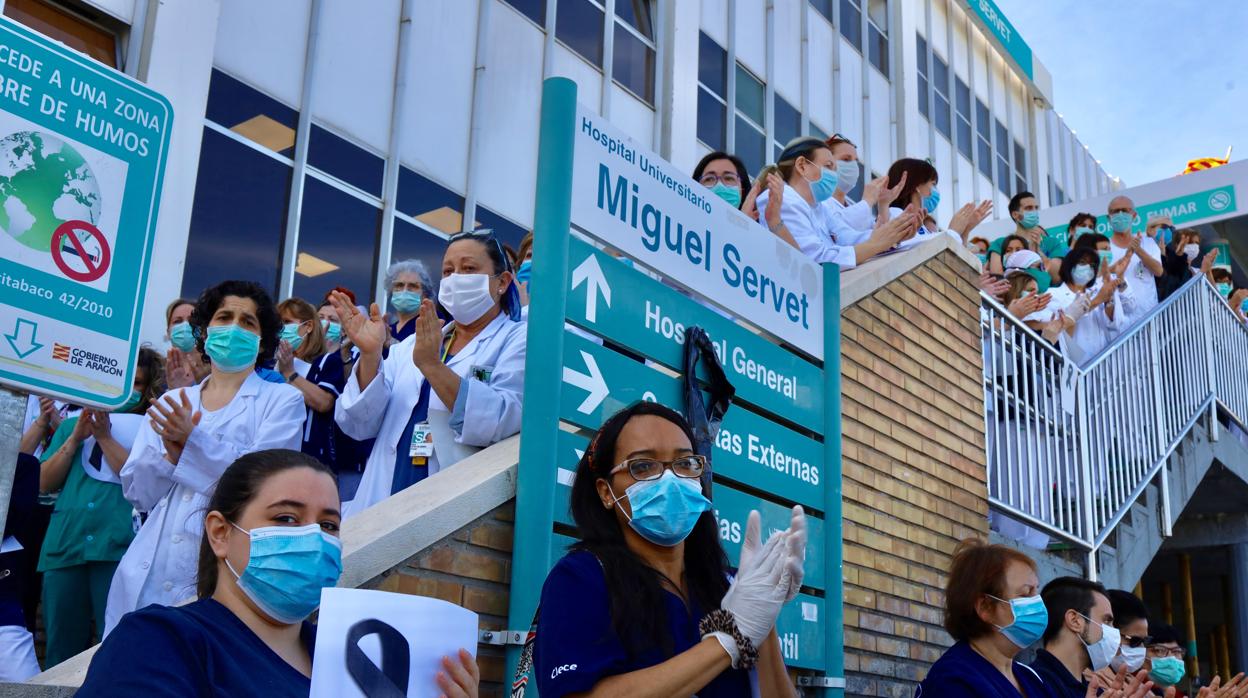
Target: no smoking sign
[[80, 251]]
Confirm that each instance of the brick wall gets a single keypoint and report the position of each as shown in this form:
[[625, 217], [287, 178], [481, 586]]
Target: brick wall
[[471, 568], [914, 471]]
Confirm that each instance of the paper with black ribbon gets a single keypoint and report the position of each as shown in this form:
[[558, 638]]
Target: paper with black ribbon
[[378, 644]]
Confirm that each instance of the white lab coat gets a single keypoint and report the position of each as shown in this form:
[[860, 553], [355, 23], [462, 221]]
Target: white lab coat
[[851, 223], [811, 228], [1092, 332], [160, 566], [923, 235], [490, 408]]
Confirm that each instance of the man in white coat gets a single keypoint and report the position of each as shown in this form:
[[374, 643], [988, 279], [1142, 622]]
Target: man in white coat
[[444, 392]]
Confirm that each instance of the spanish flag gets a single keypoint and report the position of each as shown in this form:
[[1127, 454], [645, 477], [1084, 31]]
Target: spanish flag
[[1206, 163]]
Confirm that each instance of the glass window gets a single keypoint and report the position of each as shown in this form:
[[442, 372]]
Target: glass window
[[633, 63], [533, 9], [637, 14], [1003, 176], [345, 160], [982, 121], [823, 7], [1020, 163], [787, 123], [966, 139], [941, 107], [67, 27], [506, 231], [578, 24], [921, 55], [985, 158], [238, 219], [851, 22], [751, 146], [877, 49], [712, 124], [1019, 184], [413, 242], [966, 142], [1003, 140], [924, 107], [751, 95], [921, 52], [818, 132], [251, 114], [940, 74], [712, 65], [337, 242], [429, 202]]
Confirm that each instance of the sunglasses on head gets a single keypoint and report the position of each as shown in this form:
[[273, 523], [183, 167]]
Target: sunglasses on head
[[484, 236], [838, 138]]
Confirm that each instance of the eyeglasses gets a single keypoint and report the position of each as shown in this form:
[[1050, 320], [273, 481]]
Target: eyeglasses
[[690, 467], [1142, 641], [710, 179], [1163, 651], [838, 138], [484, 236]]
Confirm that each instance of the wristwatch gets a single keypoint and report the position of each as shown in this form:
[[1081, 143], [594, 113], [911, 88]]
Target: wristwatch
[[291, 378]]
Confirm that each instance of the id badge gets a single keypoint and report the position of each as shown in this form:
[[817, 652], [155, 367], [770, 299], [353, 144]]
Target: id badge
[[482, 373], [421, 447]]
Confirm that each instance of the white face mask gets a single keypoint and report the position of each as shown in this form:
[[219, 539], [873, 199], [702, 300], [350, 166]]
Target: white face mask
[[1191, 251], [1132, 657], [466, 296], [1102, 652]]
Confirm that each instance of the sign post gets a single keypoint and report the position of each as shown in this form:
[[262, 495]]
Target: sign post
[[772, 325], [82, 159]]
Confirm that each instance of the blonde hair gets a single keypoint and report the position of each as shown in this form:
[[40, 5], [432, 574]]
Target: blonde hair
[[313, 345]]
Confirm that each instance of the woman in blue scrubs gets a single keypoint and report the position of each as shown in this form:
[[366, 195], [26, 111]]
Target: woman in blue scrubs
[[643, 605], [993, 611], [270, 545]]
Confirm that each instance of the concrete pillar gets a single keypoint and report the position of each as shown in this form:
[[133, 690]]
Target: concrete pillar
[[1239, 604]]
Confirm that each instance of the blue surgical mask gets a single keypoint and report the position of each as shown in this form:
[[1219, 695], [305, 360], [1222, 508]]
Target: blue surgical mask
[[524, 272], [824, 187], [405, 301], [665, 510], [931, 201], [1082, 230], [1106, 256], [846, 174], [1121, 222], [1224, 289], [1031, 219], [333, 331], [983, 258], [730, 194], [287, 569], [131, 402], [1167, 671], [182, 336], [1083, 274], [1030, 620], [231, 348], [1243, 307], [290, 334], [1166, 234]]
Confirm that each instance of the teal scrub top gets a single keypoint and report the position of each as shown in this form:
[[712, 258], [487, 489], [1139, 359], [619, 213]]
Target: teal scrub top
[[92, 519]]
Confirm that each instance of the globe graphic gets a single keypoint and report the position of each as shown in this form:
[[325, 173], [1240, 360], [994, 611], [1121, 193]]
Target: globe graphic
[[43, 183]]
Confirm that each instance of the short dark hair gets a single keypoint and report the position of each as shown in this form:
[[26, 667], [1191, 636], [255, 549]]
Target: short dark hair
[[1016, 201], [235, 489], [1079, 218], [1127, 607], [1066, 593], [977, 569], [743, 175], [152, 363], [1163, 633], [1221, 273], [266, 313], [1077, 256], [510, 301], [1090, 240], [918, 172]]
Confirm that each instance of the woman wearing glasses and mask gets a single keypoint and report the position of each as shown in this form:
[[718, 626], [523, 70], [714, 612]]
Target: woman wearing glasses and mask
[[443, 393], [644, 605]]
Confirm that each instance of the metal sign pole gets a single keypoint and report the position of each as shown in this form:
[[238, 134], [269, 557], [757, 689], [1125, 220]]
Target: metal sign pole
[[12, 411]]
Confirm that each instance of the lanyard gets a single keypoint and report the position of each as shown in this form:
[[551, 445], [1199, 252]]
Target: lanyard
[[446, 348]]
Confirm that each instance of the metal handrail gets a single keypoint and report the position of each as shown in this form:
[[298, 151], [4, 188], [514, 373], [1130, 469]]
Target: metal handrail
[[1072, 447]]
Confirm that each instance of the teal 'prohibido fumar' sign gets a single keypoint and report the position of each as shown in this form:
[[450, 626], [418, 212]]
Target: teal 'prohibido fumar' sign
[[629, 255], [82, 158]]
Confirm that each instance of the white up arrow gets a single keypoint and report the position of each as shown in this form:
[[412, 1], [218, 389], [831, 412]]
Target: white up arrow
[[589, 273], [593, 383]]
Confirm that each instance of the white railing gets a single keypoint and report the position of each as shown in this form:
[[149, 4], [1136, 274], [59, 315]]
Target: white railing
[[1071, 447]]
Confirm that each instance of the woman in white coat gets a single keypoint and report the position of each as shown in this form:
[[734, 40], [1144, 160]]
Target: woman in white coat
[[191, 435], [444, 392]]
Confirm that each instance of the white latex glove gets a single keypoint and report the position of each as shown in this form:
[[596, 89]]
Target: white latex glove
[[762, 583], [795, 562]]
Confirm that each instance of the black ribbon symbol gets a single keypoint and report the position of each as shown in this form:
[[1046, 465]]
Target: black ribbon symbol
[[97, 457], [390, 679]]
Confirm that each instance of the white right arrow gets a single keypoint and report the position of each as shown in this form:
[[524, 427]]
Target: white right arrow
[[593, 383], [589, 273]]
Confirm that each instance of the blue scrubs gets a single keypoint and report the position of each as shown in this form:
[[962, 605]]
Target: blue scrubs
[[962, 673], [328, 373], [576, 646], [201, 649]]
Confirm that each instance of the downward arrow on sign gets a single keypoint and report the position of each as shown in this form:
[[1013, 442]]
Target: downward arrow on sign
[[593, 383], [23, 342], [589, 273]]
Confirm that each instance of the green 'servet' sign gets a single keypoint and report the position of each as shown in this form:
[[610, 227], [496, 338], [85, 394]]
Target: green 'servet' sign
[[1001, 28]]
